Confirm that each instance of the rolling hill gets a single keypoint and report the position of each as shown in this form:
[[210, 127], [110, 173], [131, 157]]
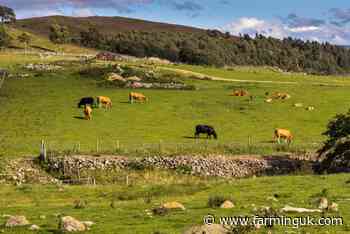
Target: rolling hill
[[107, 25]]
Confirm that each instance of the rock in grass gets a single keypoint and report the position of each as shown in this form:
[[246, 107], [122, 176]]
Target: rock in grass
[[323, 203], [333, 207], [227, 205], [34, 228], [70, 224], [207, 229], [173, 206], [17, 221]]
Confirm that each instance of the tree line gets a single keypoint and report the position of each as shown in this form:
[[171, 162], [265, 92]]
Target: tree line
[[218, 49]]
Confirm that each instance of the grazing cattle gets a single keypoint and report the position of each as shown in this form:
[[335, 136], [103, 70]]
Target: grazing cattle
[[105, 101], [283, 96], [87, 112], [86, 101], [284, 134], [240, 93], [205, 129], [137, 96]]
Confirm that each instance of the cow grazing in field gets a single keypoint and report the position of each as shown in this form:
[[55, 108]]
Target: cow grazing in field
[[105, 101], [87, 112], [86, 101], [205, 129], [240, 93], [283, 134], [137, 96], [283, 96]]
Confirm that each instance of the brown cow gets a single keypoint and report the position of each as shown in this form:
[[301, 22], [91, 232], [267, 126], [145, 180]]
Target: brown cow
[[283, 133], [240, 93], [105, 101], [87, 112], [137, 96], [283, 96]]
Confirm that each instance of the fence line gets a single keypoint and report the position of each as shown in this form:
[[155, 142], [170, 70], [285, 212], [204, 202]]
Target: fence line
[[200, 146]]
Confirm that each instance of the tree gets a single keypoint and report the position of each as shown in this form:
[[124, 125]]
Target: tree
[[335, 154], [4, 37], [59, 34], [24, 38], [337, 128], [7, 15]]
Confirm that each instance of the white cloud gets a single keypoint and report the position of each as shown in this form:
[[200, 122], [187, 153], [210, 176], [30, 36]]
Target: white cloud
[[253, 25], [84, 12], [280, 29], [304, 29]]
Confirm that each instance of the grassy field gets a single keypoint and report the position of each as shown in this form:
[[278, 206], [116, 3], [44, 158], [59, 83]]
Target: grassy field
[[44, 107], [151, 189]]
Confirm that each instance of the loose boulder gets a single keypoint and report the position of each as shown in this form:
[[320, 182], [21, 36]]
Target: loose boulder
[[323, 203], [207, 229], [298, 105], [134, 78], [114, 77], [16, 221], [34, 228], [333, 207], [70, 224], [173, 206], [227, 205]]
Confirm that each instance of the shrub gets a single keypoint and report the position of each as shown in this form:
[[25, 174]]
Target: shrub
[[80, 204], [216, 201], [337, 128], [161, 211]]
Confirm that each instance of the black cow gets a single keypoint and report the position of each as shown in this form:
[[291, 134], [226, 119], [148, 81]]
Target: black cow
[[86, 101], [209, 130]]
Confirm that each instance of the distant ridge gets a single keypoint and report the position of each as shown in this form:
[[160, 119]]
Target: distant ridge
[[107, 25]]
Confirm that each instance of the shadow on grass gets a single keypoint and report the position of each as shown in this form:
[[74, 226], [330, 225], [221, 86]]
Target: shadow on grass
[[197, 138], [79, 117], [124, 102]]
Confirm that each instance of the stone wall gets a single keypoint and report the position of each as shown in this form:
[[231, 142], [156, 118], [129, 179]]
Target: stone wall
[[221, 166]]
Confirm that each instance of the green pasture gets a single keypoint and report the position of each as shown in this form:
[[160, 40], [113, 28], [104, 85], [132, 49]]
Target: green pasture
[[148, 190], [45, 107]]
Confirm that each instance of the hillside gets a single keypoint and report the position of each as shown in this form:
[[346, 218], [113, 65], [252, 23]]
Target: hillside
[[193, 46], [107, 25]]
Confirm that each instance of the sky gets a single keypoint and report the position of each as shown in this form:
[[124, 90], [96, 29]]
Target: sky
[[317, 20]]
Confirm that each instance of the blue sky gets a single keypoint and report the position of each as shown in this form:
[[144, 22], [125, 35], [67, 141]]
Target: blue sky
[[320, 20]]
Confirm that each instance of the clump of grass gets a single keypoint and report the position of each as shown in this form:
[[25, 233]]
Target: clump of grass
[[80, 204], [217, 200], [160, 211]]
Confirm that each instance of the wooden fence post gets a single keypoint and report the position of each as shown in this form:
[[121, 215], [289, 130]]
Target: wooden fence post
[[117, 146], [249, 144], [42, 156], [97, 146]]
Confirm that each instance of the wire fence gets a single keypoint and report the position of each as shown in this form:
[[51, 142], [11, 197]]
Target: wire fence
[[198, 146]]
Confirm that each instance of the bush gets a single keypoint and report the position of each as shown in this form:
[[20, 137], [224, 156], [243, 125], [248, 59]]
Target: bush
[[337, 128], [80, 204], [216, 201]]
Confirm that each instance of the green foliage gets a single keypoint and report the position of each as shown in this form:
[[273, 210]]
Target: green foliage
[[7, 15], [80, 204], [218, 49], [59, 34], [337, 128], [24, 38], [4, 37], [217, 200]]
